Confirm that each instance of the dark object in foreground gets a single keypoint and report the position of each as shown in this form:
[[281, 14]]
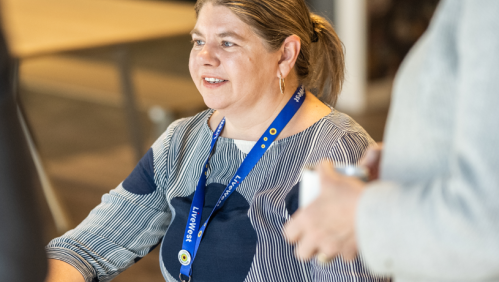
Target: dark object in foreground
[[22, 257]]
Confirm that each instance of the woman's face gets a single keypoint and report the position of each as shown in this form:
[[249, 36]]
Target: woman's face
[[229, 63]]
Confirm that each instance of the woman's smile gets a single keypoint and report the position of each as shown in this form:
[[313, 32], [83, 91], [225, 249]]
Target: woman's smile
[[212, 82]]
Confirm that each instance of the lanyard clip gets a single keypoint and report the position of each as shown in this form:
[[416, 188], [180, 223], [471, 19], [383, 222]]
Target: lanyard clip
[[182, 280]]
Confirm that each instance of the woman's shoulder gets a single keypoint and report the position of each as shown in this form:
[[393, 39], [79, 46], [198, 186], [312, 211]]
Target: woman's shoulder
[[197, 120], [183, 129], [340, 138], [315, 111], [340, 126], [344, 122], [187, 125]]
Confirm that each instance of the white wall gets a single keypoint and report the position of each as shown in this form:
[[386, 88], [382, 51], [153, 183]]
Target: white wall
[[349, 18]]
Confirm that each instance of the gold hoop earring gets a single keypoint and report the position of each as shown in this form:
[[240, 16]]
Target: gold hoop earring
[[282, 85]]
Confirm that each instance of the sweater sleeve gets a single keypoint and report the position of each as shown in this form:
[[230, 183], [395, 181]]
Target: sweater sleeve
[[447, 227], [129, 222]]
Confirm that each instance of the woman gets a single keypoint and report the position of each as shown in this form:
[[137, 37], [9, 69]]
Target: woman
[[248, 61]]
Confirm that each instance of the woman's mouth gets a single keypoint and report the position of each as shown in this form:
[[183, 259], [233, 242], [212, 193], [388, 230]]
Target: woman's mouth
[[212, 80]]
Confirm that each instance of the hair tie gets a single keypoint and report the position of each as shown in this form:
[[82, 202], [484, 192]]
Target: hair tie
[[314, 37]]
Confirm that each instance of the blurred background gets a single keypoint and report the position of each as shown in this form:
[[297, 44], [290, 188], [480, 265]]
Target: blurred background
[[98, 81]]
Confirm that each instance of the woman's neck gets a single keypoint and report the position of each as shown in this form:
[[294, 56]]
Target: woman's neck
[[249, 123]]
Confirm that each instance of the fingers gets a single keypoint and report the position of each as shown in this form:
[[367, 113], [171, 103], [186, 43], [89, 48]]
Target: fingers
[[306, 248], [327, 238], [296, 231], [328, 249], [371, 156], [315, 243], [330, 246], [324, 243], [328, 175], [349, 250], [293, 229], [325, 168], [372, 159]]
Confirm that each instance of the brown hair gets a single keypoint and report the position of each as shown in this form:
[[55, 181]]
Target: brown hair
[[320, 65]]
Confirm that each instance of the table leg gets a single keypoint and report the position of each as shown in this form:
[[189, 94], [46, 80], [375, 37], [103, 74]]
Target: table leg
[[132, 113], [56, 208]]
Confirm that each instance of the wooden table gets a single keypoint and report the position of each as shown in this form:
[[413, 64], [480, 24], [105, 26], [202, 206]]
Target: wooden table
[[35, 27], [40, 27]]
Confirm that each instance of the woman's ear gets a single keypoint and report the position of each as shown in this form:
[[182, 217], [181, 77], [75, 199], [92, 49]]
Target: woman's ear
[[290, 50]]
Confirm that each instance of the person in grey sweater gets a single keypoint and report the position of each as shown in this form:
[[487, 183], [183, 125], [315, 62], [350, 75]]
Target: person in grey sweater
[[433, 214]]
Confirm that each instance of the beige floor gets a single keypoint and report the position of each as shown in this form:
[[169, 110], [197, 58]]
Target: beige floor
[[84, 142]]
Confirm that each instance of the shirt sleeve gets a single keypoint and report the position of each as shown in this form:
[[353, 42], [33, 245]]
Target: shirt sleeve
[[447, 228], [350, 147], [129, 222]]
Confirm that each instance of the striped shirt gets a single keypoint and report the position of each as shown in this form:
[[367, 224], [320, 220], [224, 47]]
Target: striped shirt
[[244, 240]]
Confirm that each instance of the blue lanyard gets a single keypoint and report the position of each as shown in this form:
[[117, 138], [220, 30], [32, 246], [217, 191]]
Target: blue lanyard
[[193, 232]]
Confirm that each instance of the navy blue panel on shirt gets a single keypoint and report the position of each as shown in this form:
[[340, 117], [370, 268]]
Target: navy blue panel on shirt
[[229, 244], [141, 180], [292, 199]]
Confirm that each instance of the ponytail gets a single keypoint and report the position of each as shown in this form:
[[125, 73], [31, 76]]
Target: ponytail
[[327, 61]]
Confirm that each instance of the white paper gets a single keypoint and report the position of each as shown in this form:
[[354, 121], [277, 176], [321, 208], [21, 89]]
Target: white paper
[[310, 187]]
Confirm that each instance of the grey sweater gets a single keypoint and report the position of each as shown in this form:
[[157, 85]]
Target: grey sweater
[[434, 215]]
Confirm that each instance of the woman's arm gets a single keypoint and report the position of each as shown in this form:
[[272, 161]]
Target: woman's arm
[[128, 223], [59, 271], [123, 228]]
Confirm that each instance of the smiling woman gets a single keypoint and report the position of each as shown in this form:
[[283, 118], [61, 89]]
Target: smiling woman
[[216, 189]]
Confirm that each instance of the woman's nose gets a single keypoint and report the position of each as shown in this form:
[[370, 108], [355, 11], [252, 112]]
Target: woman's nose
[[208, 56]]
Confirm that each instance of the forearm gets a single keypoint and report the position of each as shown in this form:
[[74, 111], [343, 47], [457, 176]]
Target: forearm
[[125, 235], [59, 271], [123, 228], [428, 230]]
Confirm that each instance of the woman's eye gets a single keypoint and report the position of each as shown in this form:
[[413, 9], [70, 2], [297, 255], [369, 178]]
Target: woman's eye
[[227, 44], [198, 42]]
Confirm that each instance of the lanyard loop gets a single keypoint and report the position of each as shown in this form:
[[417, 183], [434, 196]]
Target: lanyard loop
[[182, 280], [193, 232]]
